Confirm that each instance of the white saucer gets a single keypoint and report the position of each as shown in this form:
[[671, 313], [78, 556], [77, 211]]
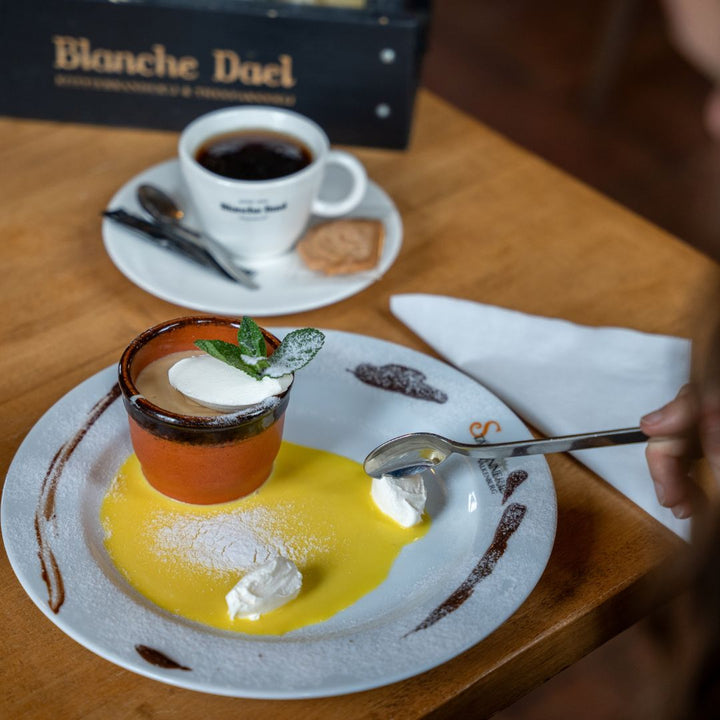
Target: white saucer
[[445, 592], [286, 285]]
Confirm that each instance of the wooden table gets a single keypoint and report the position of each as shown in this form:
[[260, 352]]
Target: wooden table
[[484, 220]]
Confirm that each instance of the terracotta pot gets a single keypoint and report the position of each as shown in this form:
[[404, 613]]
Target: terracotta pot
[[199, 460]]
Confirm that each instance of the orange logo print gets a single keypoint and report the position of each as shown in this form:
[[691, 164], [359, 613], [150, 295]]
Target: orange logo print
[[479, 429]]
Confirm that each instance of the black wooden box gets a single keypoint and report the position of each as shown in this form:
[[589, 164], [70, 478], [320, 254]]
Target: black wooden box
[[161, 63]]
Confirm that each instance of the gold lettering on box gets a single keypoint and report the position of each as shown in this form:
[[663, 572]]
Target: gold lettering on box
[[77, 53], [286, 76], [230, 68]]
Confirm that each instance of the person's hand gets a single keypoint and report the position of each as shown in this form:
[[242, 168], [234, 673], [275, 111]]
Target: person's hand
[[679, 433], [671, 452]]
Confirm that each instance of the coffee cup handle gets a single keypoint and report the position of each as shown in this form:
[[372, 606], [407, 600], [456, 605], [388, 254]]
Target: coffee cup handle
[[334, 208]]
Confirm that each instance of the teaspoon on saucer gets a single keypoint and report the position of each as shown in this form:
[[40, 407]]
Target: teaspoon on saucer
[[412, 453], [169, 214]]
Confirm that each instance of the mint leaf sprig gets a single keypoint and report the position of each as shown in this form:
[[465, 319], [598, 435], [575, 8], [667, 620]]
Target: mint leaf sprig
[[296, 350]]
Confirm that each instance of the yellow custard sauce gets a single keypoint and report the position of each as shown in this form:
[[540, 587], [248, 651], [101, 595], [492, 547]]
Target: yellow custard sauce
[[315, 509]]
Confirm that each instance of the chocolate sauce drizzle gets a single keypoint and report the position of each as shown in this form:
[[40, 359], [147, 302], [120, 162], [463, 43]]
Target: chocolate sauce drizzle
[[45, 517], [513, 482], [159, 659], [399, 379], [509, 523]]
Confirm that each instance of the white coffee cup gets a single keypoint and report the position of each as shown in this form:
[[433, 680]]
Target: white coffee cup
[[258, 219]]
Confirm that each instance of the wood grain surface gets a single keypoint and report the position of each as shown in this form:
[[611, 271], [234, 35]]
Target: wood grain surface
[[483, 220]]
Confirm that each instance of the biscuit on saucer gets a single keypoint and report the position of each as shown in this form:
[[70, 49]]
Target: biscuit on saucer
[[340, 247]]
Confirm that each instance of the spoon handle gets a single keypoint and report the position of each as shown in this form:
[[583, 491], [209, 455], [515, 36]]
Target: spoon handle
[[543, 446], [156, 234], [219, 254]]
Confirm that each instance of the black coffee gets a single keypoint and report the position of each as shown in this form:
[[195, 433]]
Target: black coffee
[[253, 155]]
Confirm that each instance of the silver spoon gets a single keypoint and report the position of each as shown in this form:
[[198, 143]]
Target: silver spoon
[[167, 212], [415, 452]]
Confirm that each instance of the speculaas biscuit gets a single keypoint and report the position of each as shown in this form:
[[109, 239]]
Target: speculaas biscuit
[[343, 246]]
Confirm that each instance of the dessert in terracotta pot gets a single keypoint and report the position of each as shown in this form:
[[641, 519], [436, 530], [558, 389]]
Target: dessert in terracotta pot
[[206, 400]]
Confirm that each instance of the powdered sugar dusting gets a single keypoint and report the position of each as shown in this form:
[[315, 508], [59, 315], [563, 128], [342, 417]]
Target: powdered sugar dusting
[[230, 418], [231, 541]]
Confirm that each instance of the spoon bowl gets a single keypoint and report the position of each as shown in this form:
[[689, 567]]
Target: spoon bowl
[[159, 204], [412, 453]]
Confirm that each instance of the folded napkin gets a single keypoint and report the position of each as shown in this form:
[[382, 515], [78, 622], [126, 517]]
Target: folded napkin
[[562, 378]]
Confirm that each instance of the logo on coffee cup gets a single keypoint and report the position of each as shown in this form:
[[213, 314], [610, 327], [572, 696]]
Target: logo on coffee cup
[[254, 209]]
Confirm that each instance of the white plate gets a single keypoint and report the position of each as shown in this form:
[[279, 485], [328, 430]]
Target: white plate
[[375, 641], [286, 285]]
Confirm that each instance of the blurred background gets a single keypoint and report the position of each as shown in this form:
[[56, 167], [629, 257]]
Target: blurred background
[[596, 88]]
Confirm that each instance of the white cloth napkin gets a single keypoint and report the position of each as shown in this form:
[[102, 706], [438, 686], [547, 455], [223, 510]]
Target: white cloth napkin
[[562, 378]]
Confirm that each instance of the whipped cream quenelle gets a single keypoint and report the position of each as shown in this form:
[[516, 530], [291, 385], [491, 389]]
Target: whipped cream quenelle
[[217, 385], [402, 499], [268, 586]]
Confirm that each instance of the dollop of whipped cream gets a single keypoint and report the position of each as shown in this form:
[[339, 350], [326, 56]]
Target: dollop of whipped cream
[[400, 498], [267, 586], [220, 386]]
